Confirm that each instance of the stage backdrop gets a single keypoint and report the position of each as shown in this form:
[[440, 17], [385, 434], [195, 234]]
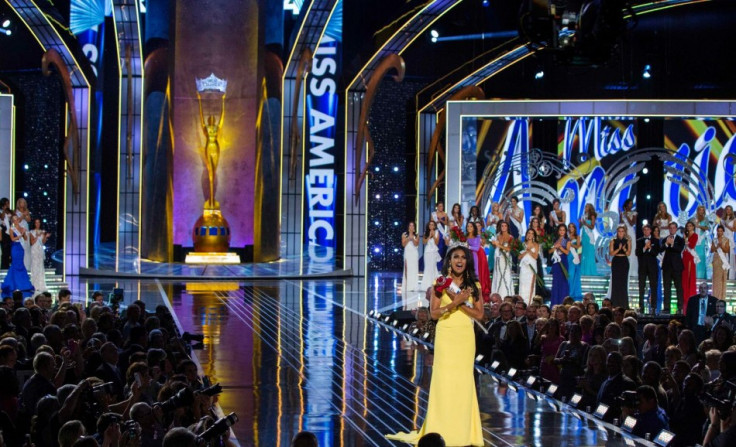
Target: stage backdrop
[[221, 38], [599, 161]]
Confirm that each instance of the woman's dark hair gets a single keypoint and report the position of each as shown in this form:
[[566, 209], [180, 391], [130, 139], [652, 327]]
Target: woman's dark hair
[[562, 225], [627, 201], [475, 230], [555, 201], [476, 209], [459, 208], [426, 228], [469, 279]]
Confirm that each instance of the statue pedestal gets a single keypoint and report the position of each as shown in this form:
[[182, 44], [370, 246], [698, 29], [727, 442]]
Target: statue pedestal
[[211, 236], [212, 258]]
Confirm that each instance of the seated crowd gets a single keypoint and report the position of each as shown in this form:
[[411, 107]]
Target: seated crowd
[[680, 378], [76, 376]]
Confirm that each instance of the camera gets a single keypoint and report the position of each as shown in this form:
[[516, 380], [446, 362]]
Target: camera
[[188, 337], [218, 429], [723, 406], [104, 388], [628, 399], [213, 390], [115, 297], [183, 398]]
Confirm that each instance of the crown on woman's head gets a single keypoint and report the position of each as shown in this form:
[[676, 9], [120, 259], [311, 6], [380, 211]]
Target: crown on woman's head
[[457, 243]]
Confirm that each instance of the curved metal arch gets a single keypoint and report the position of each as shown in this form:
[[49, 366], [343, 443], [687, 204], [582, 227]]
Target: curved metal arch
[[703, 191]]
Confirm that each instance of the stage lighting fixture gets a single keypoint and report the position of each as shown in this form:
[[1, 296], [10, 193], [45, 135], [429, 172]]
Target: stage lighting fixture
[[434, 35], [649, 197], [645, 171], [378, 196], [645, 222], [629, 442], [396, 169], [376, 250], [629, 423], [495, 365], [370, 314], [6, 23], [539, 74], [664, 438], [377, 169], [647, 73], [551, 390], [575, 399], [395, 323], [387, 319], [478, 358], [600, 411], [425, 336], [405, 327], [415, 331], [486, 3], [512, 373]]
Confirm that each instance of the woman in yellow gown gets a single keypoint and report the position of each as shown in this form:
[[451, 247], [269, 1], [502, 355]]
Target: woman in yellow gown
[[452, 409]]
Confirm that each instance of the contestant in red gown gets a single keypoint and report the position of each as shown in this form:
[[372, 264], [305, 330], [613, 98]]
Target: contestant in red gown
[[689, 287]]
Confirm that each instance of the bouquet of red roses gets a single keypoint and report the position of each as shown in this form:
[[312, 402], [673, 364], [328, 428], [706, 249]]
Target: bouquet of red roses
[[456, 235], [441, 284]]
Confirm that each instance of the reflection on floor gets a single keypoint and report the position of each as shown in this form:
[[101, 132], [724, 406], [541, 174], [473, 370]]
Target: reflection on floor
[[302, 355]]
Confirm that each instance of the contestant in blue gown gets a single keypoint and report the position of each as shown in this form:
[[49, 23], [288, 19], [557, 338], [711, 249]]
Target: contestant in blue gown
[[17, 277], [573, 264], [559, 251], [587, 257]]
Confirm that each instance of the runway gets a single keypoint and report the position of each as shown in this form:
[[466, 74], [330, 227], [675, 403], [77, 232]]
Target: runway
[[303, 355]]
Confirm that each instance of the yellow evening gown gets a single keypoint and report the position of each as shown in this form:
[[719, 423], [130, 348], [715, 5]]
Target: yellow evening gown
[[452, 409]]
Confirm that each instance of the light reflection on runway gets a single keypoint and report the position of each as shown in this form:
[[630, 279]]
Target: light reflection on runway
[[302, 355]]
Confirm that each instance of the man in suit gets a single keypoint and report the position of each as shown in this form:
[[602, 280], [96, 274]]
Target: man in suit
[[108, 371], [699, 307], [672, 267], [614, 385], [647, 249], [721, 317]]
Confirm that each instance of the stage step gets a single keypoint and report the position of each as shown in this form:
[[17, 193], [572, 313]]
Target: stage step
[[54, 281]]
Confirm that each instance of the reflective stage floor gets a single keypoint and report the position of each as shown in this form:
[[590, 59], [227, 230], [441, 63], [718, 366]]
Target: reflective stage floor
[[302, 355]]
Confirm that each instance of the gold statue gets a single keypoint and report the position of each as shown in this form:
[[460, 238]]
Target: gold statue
[[211, 149]]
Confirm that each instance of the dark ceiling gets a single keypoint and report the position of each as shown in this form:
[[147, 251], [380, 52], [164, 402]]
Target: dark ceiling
[[689, 49]]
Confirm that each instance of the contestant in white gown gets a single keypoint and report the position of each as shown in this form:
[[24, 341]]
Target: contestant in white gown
[[410, 280], [38, 255], [431, 255], [528, 267], [502, 282], [729, 225]]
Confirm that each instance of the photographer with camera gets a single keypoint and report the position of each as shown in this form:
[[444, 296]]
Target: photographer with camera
[[151, 434], [722, 429], [650, 417]]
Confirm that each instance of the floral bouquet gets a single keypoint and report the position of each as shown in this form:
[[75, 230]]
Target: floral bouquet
[[547, 241], [516, 247], [457, 236]]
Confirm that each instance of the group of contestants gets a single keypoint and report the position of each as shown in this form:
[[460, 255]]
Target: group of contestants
[[22, 241], [500, 243]]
